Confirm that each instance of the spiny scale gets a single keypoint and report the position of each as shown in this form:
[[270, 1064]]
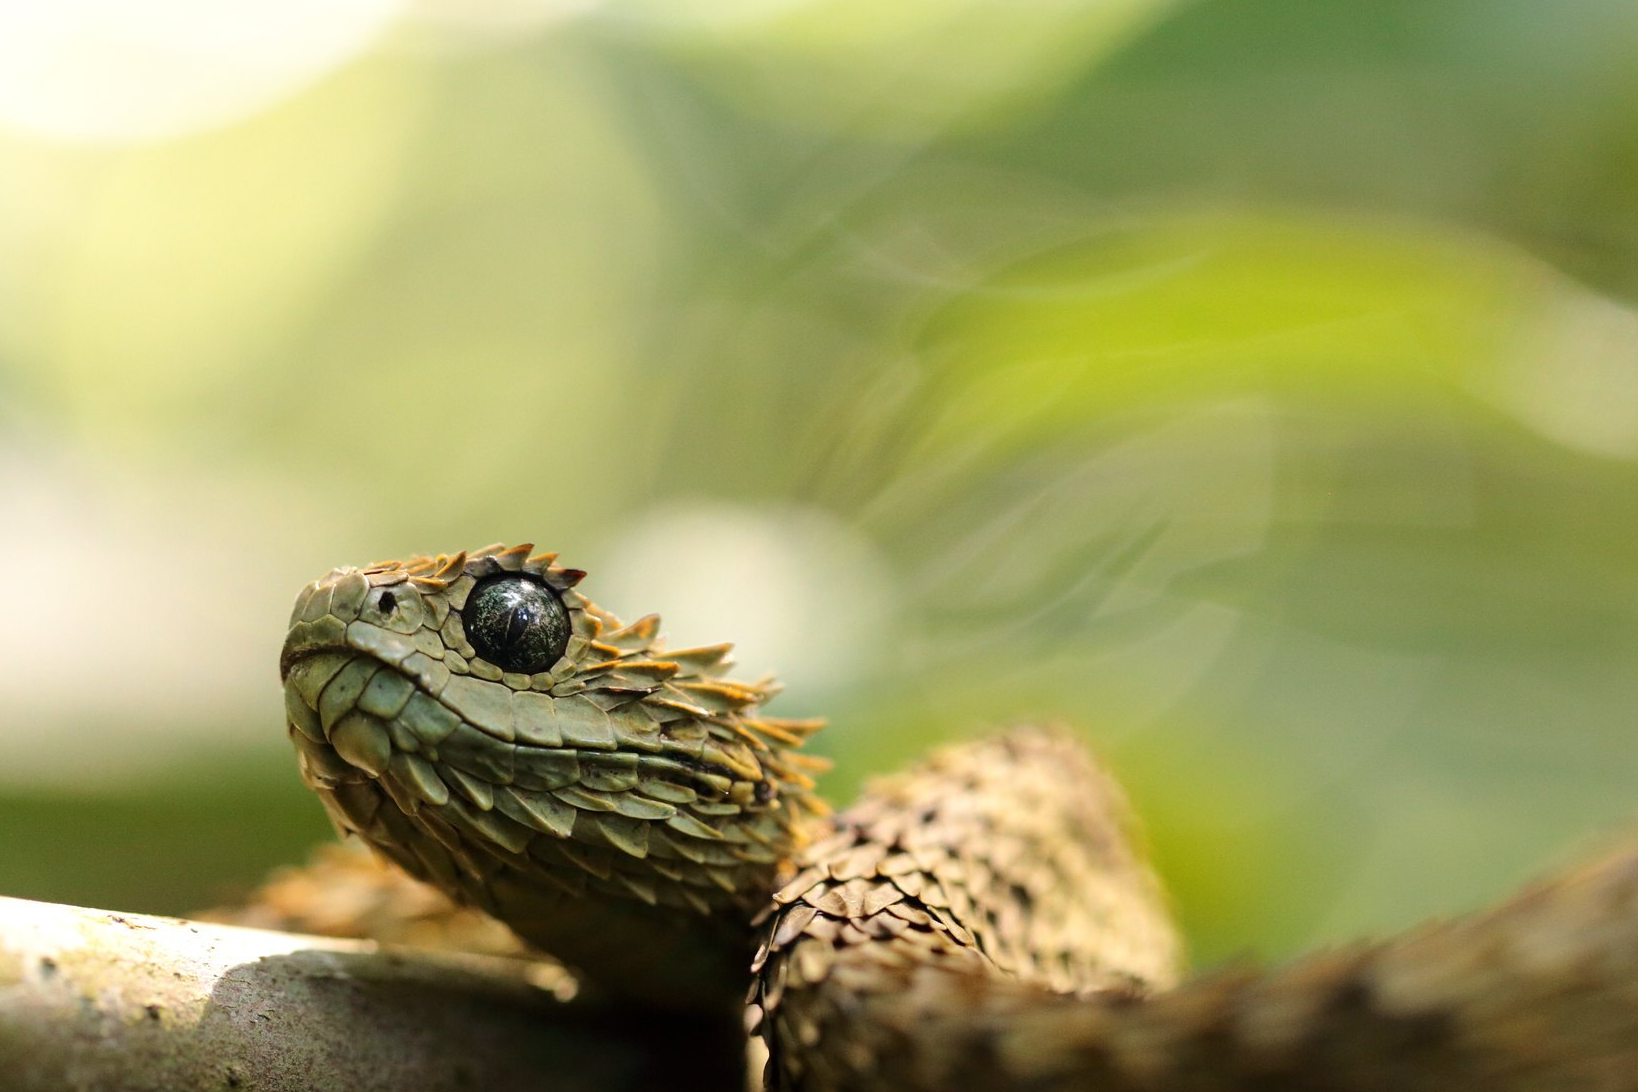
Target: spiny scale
[[563, 801], [979, 922]]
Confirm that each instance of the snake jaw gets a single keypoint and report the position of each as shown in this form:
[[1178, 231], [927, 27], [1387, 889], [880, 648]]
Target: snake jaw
[[620, 770]]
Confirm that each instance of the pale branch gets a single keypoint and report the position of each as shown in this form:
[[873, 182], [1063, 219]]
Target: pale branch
[[96, 1000]]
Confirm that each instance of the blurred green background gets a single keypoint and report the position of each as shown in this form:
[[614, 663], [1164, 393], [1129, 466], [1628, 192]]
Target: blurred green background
[[1253, 383]]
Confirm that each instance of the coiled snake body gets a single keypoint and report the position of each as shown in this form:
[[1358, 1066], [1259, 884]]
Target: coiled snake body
[[978, 922]]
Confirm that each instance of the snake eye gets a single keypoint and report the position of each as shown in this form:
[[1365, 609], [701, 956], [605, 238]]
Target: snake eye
[[516, 623]]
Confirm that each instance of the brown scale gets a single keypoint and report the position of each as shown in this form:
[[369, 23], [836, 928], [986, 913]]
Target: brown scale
[[981, 921], [624, 807], [1049, 966]]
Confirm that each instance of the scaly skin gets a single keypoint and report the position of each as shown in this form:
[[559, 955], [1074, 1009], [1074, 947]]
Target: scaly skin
[[946, 982], [625, 810], [993, 871], [978, 922]]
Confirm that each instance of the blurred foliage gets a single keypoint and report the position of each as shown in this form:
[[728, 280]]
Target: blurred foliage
[[1251, 382]]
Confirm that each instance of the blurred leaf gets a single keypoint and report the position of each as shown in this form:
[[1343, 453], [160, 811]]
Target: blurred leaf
[[904, 70], [159, 269], [204, 840], [1502, 115]]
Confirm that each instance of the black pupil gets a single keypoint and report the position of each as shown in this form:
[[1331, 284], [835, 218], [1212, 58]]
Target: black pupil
[[516, 623]]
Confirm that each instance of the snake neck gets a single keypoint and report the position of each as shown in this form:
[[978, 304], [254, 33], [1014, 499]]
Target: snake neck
[[996, 879], [481, 723]]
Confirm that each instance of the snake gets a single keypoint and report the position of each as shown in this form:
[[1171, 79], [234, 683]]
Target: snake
[[986, 919]]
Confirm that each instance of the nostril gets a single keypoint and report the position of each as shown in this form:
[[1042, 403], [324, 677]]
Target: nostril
[[388, 602]]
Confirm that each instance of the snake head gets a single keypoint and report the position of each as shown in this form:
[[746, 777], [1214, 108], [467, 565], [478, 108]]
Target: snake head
[[480, 722]]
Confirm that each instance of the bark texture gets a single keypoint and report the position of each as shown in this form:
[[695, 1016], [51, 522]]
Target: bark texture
[[98, 1001]]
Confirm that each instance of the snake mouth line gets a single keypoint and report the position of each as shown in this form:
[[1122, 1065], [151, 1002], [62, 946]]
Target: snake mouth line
[[710, 781], [289, 659]]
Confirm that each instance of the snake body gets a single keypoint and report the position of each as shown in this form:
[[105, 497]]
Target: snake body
[[980, 921]]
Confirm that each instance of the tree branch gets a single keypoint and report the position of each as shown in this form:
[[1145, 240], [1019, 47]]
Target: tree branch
[[93, 1000]]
